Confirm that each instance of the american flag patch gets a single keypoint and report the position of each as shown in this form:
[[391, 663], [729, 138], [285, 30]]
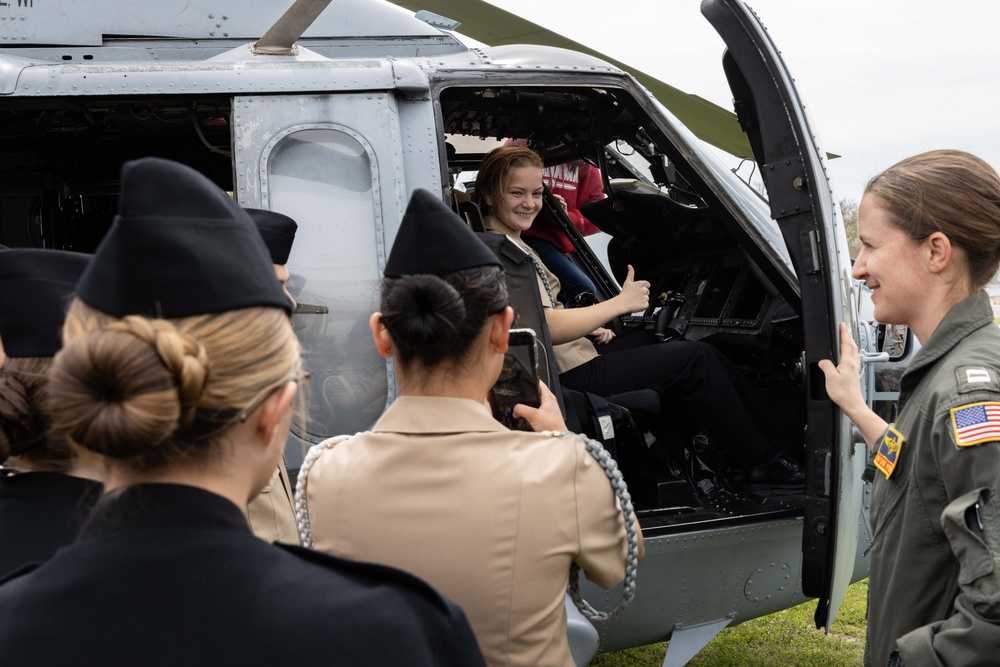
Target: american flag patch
[[976, 423]]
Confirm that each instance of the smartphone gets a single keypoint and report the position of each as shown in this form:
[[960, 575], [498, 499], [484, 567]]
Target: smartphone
[[518, 381]]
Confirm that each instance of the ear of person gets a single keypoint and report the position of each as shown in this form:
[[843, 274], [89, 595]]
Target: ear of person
[[272, 412], [380, 335], [940, 252], [500, 329]]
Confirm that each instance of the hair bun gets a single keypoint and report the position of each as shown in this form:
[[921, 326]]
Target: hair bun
[[183, 356], [436, 318], [15, 414], [127, 388], [25, 426], [425, 313]]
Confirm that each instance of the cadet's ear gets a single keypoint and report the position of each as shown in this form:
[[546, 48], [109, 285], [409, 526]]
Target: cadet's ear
[[272, 411], [383, 342], [500, 329]]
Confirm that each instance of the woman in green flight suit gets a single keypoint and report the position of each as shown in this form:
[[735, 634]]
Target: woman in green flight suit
[[930, 233]]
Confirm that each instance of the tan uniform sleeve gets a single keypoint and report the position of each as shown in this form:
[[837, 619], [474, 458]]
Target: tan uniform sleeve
[[599, 519], [271, 513], [546, 301]]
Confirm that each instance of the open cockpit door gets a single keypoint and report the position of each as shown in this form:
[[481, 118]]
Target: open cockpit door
[[802, 204]]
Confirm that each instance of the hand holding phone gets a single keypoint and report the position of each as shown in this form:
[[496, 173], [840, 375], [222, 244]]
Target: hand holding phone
[[547, 417], [518, 381]]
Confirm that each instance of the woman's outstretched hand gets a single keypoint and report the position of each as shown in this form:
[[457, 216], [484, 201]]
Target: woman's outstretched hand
[[842, 381], [843, 385]]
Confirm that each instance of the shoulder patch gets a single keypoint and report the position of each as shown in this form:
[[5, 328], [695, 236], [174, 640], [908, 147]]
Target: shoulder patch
[[887, 454], [976, 378], [975, 423]]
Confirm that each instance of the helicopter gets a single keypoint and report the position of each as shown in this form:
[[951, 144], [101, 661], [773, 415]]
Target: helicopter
[[334, 112]]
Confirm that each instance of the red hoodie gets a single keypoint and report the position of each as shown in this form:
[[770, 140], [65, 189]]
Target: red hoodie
[[579, 183]]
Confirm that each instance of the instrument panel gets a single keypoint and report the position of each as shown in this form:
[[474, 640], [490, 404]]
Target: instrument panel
[[719, 292]]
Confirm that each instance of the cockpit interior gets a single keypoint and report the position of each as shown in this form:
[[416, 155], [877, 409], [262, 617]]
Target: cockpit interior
[[712, 278]]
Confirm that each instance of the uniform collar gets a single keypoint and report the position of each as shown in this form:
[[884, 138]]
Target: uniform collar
[[491, 223], [968, 315], [162, 507], [47, 487], [435, 414]]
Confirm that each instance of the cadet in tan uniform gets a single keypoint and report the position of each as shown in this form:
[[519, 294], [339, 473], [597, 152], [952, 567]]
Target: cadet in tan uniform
[[190, 403], [491, 517], [930, 233], [270, 512]]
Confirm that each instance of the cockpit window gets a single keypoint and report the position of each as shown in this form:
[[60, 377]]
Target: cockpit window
[[322, 178]]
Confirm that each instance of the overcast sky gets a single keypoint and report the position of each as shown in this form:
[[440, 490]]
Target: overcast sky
[[881, 79]]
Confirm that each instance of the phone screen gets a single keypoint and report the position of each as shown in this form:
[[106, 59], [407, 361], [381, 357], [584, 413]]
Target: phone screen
[[518, 381]]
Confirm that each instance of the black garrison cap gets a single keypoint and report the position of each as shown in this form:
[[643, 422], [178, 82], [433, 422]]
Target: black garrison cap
[[179, 246], [277, 230], [35, 289], [433, 239]]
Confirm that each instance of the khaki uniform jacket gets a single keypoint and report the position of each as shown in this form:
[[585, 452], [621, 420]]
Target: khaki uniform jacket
[[934, 588], [490, 517], [568, 355], [270, 513]]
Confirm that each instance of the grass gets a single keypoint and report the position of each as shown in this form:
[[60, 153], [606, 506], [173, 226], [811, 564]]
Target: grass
[[787, 638]]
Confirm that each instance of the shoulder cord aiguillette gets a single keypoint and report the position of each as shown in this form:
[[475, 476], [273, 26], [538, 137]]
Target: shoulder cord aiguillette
[[610, 467], [301, 486]]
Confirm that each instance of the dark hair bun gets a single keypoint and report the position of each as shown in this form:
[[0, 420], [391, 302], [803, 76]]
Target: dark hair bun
[[24, 421], [424, 314], [15, 415], [436, 318]]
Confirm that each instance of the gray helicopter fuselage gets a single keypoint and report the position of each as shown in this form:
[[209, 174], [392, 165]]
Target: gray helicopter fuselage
[[365, 110]]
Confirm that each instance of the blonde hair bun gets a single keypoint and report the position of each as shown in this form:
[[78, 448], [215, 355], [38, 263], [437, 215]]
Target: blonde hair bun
[[128, 387]]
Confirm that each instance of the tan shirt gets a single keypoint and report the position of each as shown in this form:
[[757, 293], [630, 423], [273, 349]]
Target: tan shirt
[[270, 513], [492, 518], [568, 355]]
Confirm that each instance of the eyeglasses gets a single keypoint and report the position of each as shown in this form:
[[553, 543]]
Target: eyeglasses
[[245, 413]]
